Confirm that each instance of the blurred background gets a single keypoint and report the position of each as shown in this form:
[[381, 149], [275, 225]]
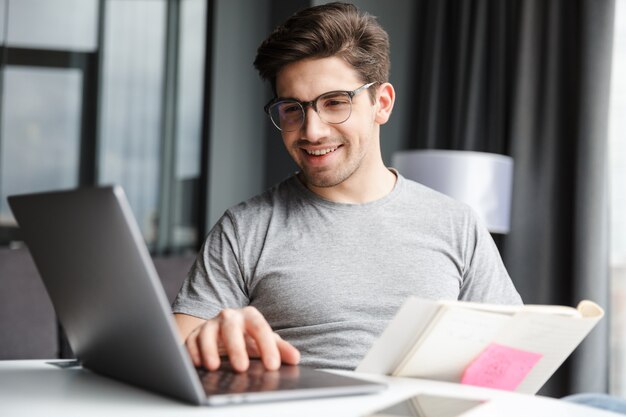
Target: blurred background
[[160, 96]]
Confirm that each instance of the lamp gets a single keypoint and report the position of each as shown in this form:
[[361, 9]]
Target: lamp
[[481, 180]]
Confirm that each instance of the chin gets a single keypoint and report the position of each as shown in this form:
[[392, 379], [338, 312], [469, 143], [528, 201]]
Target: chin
[[325, 181]]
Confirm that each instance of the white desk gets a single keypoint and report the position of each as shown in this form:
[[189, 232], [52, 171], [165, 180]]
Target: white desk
[[35, 388]]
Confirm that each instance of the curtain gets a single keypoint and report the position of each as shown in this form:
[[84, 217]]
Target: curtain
[[530, 79]]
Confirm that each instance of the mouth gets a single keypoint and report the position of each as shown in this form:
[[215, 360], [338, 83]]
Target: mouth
[[321, 152]]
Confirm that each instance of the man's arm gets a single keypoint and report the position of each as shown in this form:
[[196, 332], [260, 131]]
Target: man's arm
[[237, 333], [186, 324], [486, 279], [240, 333]]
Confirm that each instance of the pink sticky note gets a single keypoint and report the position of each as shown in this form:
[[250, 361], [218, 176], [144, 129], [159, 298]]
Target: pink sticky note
[[500, 367]]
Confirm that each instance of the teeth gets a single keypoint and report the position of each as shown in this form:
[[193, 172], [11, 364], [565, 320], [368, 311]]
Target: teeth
[[320, 152]]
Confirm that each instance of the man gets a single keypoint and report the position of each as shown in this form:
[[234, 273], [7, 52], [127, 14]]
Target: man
[[313, 269]]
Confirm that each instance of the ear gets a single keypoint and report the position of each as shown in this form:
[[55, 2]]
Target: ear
[[386, 96]]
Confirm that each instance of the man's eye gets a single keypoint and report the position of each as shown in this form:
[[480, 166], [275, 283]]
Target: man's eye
[[335, 103], [289, 108]]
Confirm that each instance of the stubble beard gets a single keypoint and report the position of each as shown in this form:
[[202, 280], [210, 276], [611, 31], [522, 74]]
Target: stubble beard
[[334, 176], [325, 180]]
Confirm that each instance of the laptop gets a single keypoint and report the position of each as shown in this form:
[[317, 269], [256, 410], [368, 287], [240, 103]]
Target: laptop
[[106, 292]]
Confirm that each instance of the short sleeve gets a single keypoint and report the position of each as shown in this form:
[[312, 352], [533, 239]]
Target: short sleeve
[[215, 281], [485, 278]]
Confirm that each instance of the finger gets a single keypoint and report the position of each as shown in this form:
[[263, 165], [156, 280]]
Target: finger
[[259, 330], [232, 335], [220, 347], [192, 347], [207, 344], [288, 353], [251, 347]]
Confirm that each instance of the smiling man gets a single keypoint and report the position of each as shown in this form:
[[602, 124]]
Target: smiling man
[[334, 139], [313, 269]]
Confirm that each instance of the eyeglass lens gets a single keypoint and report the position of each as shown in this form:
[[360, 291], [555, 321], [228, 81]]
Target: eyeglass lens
[[334, 108]]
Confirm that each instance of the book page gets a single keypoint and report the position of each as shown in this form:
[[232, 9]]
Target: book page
[[399, 336], [554, 336], [500, 367], [590, 309], [539, 308], [438, 340], [456, 336]]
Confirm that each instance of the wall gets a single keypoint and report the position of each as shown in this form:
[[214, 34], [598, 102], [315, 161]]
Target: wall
[[396, 17], [237, 158]]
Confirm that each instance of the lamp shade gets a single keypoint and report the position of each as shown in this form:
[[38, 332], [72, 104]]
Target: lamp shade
[[481, 180]]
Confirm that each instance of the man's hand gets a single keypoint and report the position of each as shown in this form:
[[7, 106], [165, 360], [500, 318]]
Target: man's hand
[[238, 333]]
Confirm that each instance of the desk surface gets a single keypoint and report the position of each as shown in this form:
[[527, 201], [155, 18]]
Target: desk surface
[[34, 388]]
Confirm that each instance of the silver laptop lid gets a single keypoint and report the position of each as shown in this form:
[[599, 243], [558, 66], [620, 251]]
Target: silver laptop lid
[[104, 287]]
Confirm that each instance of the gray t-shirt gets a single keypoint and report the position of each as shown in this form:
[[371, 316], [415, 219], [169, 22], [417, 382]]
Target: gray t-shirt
[[328, 276]]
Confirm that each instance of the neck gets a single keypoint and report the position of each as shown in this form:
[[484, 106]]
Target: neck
[[359, 188]]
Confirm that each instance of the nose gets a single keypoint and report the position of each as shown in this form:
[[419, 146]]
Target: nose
[[313, 128]]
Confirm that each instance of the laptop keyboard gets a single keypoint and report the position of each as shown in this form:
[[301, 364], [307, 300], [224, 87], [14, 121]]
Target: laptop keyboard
[[256, 379]]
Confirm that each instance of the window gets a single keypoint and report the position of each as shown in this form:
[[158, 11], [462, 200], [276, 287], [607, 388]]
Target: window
[[45, 90], [56, 25], [133, 73], [40, 130], [96, 92], [617, 159]]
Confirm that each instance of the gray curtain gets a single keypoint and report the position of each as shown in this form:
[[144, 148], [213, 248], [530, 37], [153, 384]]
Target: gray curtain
[[530, 78]]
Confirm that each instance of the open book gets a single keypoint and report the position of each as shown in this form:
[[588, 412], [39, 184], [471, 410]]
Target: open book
[[510, 347]]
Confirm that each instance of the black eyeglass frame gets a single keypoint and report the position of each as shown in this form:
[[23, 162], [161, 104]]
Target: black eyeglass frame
[[313, 103]]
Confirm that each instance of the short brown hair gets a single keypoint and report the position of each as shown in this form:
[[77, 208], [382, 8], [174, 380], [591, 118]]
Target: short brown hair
[[334, 29]]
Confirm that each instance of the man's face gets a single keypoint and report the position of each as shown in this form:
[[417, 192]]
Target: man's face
[[329, 154]]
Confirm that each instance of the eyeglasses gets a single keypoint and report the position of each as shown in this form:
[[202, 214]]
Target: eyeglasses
[[334, 107]]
